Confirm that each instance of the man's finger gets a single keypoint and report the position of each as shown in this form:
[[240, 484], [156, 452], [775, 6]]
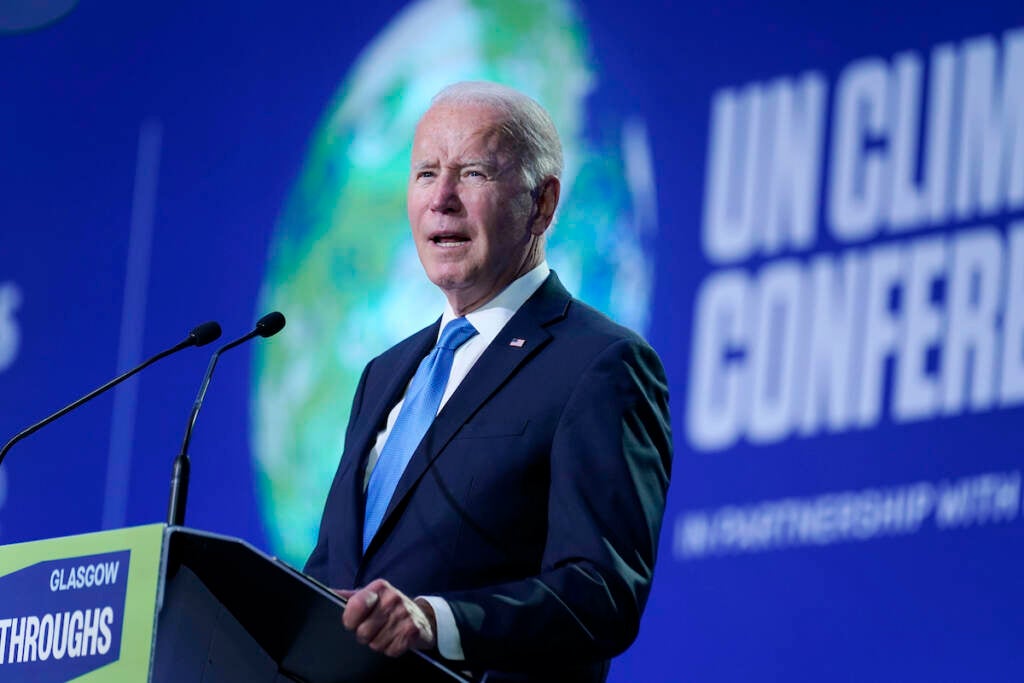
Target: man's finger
[[386, 620], [360, 605], [406, 628], [372, 627], [395, 638]]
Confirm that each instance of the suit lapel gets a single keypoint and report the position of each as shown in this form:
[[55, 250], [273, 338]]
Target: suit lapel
[[494, 367], [378, 404], [402, 370]]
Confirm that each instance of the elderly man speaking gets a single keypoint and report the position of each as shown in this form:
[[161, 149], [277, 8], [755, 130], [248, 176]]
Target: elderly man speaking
[[503, 481]]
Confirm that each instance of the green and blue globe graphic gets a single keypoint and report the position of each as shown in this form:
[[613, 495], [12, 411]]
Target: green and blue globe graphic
[[342, 265]]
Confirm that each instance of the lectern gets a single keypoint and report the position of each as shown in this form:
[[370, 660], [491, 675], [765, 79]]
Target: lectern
[[175, 605]]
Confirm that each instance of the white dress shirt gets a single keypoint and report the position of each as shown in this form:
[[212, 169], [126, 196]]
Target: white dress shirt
[[488, 320]]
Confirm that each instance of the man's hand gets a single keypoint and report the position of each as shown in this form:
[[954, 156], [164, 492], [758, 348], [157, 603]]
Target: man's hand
[[387, 620]]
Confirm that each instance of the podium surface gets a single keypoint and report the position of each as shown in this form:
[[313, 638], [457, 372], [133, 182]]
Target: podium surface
[[157, 603]]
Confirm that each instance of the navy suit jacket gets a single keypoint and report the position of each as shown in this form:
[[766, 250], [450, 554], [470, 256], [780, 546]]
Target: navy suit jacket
[[534, 502]]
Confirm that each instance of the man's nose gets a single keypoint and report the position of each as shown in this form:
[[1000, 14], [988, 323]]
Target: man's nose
[[446, 194]]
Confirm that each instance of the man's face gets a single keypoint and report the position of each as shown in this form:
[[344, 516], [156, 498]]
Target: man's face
[[472, 215]]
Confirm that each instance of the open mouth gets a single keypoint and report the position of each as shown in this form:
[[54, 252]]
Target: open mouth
[[449, 240]]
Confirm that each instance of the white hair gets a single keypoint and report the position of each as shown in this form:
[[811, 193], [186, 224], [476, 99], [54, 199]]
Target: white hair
[[527, 126]]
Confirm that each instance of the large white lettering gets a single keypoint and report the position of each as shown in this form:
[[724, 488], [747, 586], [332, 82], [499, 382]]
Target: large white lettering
[[774, 359], [716, 384], [911, 327], [835, 288], [894, 168], [856, 190], [909, 330], [81, 633], [764, 169], [971, 337], [990, 159]]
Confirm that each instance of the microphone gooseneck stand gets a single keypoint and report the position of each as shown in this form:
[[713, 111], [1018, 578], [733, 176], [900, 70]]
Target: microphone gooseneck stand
[[199, 336], [267, 326]]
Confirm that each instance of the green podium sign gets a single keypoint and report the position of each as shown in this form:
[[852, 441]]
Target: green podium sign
[[80, 608], [174, 605]]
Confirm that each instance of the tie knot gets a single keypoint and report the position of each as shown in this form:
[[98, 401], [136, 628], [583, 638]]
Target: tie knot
[[456, 333]]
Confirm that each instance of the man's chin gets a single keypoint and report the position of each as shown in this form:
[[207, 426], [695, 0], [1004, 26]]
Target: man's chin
[[467, 288], [447, 280], [464, 294]]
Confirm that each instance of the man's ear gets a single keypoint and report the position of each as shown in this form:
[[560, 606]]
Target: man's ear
[[545, 202]]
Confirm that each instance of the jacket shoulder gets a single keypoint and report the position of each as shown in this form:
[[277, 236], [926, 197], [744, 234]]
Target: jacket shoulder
[[585, 321]]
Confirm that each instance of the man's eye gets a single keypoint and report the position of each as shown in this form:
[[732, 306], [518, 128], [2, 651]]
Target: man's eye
[[425, 174], [475, 174]]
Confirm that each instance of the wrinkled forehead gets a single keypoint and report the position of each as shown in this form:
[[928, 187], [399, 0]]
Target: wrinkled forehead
[[452, 131]]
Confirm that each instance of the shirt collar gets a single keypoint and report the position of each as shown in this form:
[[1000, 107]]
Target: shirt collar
[[492, 316]]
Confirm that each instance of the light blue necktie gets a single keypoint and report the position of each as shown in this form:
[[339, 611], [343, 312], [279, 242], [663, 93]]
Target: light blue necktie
[[417, 413]]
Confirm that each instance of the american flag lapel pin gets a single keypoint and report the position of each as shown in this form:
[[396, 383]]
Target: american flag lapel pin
[[517, 343]]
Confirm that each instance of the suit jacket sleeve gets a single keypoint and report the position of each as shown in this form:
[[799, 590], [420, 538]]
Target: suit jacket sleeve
[[609, 469]]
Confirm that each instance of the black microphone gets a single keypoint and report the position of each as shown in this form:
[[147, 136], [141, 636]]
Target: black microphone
[[199, 336], [267, 326]]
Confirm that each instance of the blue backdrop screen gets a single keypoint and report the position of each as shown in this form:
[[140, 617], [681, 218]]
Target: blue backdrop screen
[[815, 215]]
